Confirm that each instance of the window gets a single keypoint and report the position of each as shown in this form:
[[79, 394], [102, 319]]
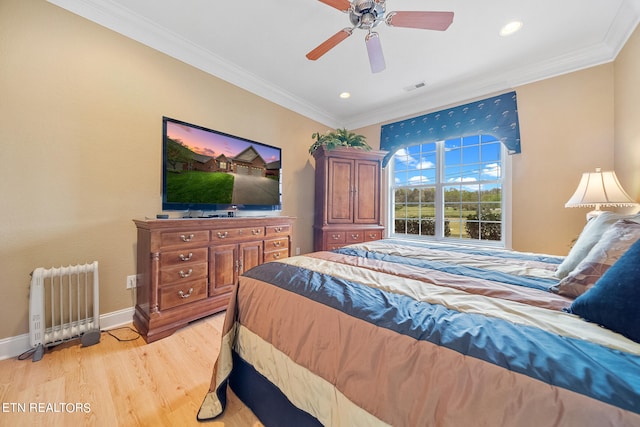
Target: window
[[449, 189]]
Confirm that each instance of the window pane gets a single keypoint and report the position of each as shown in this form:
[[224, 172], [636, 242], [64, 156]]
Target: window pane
[[469, 173], [490, 152], [491, 171], [488, 138], [470, 140], [491, 193], [428, 195], [413, 226], [471, 154], [451, 194], [400, 178], [400, 196], [428, 227], [452, 157], [452, 174], [452, 143]]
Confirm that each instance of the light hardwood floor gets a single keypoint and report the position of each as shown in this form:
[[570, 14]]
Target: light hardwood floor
[[120, 383]]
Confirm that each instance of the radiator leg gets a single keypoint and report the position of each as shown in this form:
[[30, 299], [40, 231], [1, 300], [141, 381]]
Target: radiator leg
[[38, 353], [90, 338]]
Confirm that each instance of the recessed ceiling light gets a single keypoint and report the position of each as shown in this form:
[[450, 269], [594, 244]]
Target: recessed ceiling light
[[345, 95], [510, 28]]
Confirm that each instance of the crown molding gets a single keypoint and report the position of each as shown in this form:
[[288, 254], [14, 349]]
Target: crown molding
[[136, 27]]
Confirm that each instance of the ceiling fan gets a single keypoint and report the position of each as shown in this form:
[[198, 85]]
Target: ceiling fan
[[367, 14]]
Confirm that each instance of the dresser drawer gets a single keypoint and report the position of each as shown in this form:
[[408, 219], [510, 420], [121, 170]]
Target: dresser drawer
[[276, 244], [236, 233], [185, 256], [276, 255], [182, 293], [182, 273], [278, 230], [370, 235], [172, 238]]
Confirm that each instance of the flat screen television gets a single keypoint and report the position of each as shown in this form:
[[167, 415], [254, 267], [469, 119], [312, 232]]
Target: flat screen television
[[211, 171]]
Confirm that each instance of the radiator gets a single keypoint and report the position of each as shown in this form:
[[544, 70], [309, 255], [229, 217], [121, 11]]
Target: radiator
[[63, 305]]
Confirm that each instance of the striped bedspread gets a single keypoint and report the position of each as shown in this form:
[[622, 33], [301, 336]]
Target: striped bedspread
[[402, 334]]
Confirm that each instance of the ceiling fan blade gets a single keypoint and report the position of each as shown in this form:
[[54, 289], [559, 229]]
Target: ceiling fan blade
[[329, 44], [439, 21], [374, 49], [342, 5]]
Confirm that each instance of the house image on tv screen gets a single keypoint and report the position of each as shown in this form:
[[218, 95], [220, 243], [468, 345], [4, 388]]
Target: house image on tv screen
[[248, 162]]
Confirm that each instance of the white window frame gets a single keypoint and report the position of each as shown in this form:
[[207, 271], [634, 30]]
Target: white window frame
[[506, 241]]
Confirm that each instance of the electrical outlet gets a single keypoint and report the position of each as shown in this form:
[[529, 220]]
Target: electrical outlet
[[131, 281], [297, 251]]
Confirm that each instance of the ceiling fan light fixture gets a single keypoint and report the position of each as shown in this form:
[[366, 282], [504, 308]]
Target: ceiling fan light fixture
[[374, 49], [511, 28], [345, 95]]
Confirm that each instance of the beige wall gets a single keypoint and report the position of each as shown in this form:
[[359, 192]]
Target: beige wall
[[566, 128], [80, 128], [80, 125], [627, 120]]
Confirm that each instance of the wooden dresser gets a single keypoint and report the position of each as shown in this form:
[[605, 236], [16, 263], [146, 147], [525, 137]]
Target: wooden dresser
[[347, 197], [188, 267]]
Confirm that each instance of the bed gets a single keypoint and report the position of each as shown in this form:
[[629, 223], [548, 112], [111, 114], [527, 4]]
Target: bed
[[410, 334]]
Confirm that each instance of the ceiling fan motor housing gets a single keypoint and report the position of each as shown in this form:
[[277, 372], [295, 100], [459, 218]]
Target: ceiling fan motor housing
[[366, 14]]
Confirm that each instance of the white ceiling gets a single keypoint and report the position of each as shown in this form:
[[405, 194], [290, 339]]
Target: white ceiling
[[260, 46]]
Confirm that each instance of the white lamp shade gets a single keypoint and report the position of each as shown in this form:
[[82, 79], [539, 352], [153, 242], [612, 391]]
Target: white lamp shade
[[598, 189]]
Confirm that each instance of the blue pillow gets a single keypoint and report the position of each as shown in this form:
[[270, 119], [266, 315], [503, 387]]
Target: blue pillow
[[614, 301]]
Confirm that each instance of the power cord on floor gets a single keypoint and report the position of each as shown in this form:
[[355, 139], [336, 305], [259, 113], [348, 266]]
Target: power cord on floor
[[111, 332]]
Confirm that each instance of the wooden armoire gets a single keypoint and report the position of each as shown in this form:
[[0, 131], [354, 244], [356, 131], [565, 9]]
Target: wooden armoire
[[347, 197]]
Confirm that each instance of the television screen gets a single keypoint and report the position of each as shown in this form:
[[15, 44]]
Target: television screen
[[207, 170]]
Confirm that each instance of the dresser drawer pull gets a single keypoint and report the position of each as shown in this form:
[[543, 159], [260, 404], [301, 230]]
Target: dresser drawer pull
[[255, 231], [186, 258], [187, 295], [355, 236], [277, 244], [335, 236], [187, 274], [278, 229], [223, 235], [373, 236], [276, 255], [186, 238]]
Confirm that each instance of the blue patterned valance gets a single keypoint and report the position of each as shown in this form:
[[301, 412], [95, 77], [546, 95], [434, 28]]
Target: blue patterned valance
[[497, 116]]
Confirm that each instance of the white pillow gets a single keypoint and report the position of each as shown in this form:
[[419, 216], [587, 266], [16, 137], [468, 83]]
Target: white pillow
[[612, 245], [590, 235]]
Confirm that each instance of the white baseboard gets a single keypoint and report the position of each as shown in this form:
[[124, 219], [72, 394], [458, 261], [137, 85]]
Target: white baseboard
[[15, 346]]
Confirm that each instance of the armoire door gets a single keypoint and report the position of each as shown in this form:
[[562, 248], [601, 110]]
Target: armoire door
[[340, 191], [367, 192]]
